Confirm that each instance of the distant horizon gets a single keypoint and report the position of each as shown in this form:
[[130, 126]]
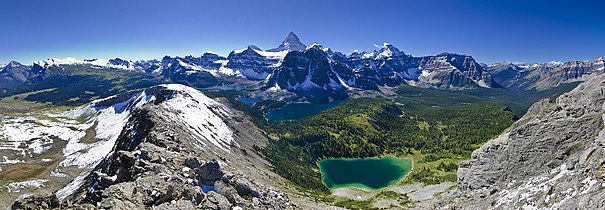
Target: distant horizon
[[492, 32], [375, 47]]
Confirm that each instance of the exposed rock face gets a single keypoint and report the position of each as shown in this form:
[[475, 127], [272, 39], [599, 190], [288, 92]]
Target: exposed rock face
[[553, 158], [167, 150], [15, 74], [252, 64], [385, 67], [389, 66], [449, 70], [189, 71], [505, 73], [309, 74], [208, 60]]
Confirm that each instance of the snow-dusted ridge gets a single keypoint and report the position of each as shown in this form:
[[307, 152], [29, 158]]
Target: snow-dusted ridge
[[201, 114], [102, 63], [184, 106], [187, 105], [268, 54]]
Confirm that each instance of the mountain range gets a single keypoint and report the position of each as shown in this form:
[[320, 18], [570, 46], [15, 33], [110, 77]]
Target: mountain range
[[320, 74]]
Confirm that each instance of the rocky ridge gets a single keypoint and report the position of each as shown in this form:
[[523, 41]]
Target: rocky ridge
[[552, 158], [164, 154]]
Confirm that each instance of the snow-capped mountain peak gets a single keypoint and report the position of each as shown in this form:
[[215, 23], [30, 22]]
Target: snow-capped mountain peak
[[314, 45], [14, 64], [554, 63], [388, 50], [290, 43], [249, 49], [119, 63]]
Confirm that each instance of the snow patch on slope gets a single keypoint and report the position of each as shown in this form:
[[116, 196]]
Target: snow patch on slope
[[425, 73], [17, 186], [198, 113], [71, 187], [6, 160], [272, 55], [110, 122], [36, 134], [526, 193]]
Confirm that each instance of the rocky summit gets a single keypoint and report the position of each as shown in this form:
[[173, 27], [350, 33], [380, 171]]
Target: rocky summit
[[178, 150]]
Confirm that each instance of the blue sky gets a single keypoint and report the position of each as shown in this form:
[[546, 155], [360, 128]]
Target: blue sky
[[491, 31]]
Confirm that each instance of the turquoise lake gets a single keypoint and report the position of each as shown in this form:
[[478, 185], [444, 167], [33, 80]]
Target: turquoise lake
[[295, 111], [364, 173]]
